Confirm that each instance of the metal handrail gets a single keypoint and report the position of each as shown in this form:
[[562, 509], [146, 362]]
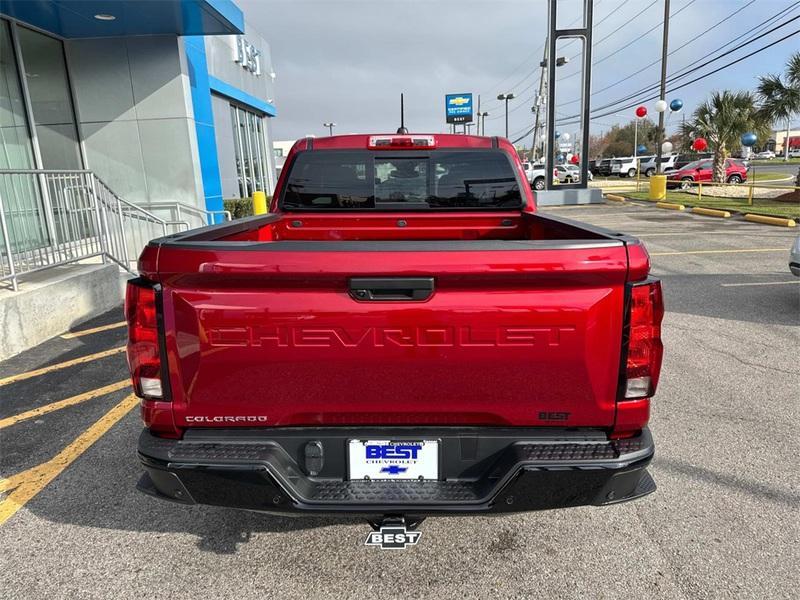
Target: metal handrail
[[55, 217], [197, 211]]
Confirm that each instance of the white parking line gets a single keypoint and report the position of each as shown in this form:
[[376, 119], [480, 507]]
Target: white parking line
[[796, 281]]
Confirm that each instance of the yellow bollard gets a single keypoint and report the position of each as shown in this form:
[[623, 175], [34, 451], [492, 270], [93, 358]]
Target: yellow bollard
[[750, 196], [658, 187], [259, 203]]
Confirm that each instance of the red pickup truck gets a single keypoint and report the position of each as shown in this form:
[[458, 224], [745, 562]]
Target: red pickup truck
[[403, 334]]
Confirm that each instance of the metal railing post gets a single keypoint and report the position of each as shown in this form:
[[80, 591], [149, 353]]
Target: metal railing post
[[122, 232], [49, 219], [7, 244], [101, 234]]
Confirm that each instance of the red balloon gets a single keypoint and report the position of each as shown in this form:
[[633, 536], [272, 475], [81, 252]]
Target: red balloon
[[574, 160], [641, 111], [700, 144]]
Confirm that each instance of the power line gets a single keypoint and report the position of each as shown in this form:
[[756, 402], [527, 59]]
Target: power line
[[594, 45], [532, 57], [688, 42], [696, 79], [678, 75], [634, 40]]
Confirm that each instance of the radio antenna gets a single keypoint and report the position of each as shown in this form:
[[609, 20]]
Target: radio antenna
[[402, 128]]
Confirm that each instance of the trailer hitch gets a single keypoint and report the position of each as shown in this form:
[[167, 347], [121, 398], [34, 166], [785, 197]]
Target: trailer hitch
[[394, 532]]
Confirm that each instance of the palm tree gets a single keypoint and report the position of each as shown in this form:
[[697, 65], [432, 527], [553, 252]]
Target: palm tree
[[780, 100], [722, 120]]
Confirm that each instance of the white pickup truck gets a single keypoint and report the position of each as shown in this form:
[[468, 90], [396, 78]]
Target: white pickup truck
[[535, 174]]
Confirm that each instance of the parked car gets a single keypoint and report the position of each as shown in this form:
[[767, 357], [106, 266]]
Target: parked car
[[703, 171], [575, 171], [794, 153], [684, 159], [391, 340], [604, 167], [622, 166], [566, 175], [648, 167], [794, 257]]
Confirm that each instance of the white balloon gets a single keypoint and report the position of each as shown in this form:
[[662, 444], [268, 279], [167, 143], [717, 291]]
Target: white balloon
[[564, 137], [661, 106], [666, 147]]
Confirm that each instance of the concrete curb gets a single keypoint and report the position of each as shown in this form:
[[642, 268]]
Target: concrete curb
[[779, 221], [615, 198], [670, 206], [711, 212]]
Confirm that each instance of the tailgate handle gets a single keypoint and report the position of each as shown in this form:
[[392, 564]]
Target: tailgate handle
[[391, 288]]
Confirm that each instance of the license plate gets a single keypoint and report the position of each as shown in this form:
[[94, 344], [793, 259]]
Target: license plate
[[386, 459]]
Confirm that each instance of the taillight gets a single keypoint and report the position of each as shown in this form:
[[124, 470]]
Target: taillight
[[144, 359], [645, 349]]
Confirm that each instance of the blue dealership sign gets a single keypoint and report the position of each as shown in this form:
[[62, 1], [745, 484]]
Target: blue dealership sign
[[458, 108]]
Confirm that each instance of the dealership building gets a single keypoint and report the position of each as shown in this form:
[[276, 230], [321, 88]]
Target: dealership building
[[167, 101]]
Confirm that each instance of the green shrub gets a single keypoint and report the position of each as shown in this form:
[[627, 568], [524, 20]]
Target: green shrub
[[240, 207]]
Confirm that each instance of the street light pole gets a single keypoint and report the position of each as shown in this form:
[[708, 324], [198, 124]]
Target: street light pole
[[663, 92], [482, 122], [506, 97], [330, 127]]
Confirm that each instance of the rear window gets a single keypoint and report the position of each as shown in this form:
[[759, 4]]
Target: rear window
[[439, 179]]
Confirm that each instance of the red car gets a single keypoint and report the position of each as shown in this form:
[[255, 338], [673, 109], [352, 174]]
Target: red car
[[404, 334], [703, 171]]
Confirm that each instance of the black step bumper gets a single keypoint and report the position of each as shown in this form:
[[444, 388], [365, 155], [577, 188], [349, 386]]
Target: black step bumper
[[483, 470]]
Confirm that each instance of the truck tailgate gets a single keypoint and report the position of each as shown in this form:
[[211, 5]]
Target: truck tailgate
[[528, 336]]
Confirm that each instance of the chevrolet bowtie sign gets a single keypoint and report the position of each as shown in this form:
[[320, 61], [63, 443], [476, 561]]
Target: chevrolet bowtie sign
[[458, 108]]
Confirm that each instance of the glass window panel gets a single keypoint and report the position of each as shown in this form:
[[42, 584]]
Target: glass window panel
[[247, 167], [255, 158], [19, 192], [46, 75], [262, 151], [237, 148]]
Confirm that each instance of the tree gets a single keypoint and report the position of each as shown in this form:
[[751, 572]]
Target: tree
[[722, 120], [619, 140], [780, 100]]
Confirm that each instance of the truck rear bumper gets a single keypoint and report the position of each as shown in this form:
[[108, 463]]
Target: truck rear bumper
[[482, 470]]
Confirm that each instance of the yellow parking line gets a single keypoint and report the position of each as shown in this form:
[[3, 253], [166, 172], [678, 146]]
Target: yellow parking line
[[740, 251], [76, 334], [37, 478], [63, 365], [47, 408]]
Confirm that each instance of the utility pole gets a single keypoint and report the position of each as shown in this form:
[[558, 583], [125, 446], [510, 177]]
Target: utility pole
[[539, 101], [663, 92]]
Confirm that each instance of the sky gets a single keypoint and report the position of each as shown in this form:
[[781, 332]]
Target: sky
[[348, 61]]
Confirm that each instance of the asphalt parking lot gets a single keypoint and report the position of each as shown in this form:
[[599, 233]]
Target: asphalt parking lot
[[723, 523]]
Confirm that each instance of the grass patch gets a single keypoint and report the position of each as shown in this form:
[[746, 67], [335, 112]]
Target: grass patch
[[775, 161], [773, 208], [768, 175]]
